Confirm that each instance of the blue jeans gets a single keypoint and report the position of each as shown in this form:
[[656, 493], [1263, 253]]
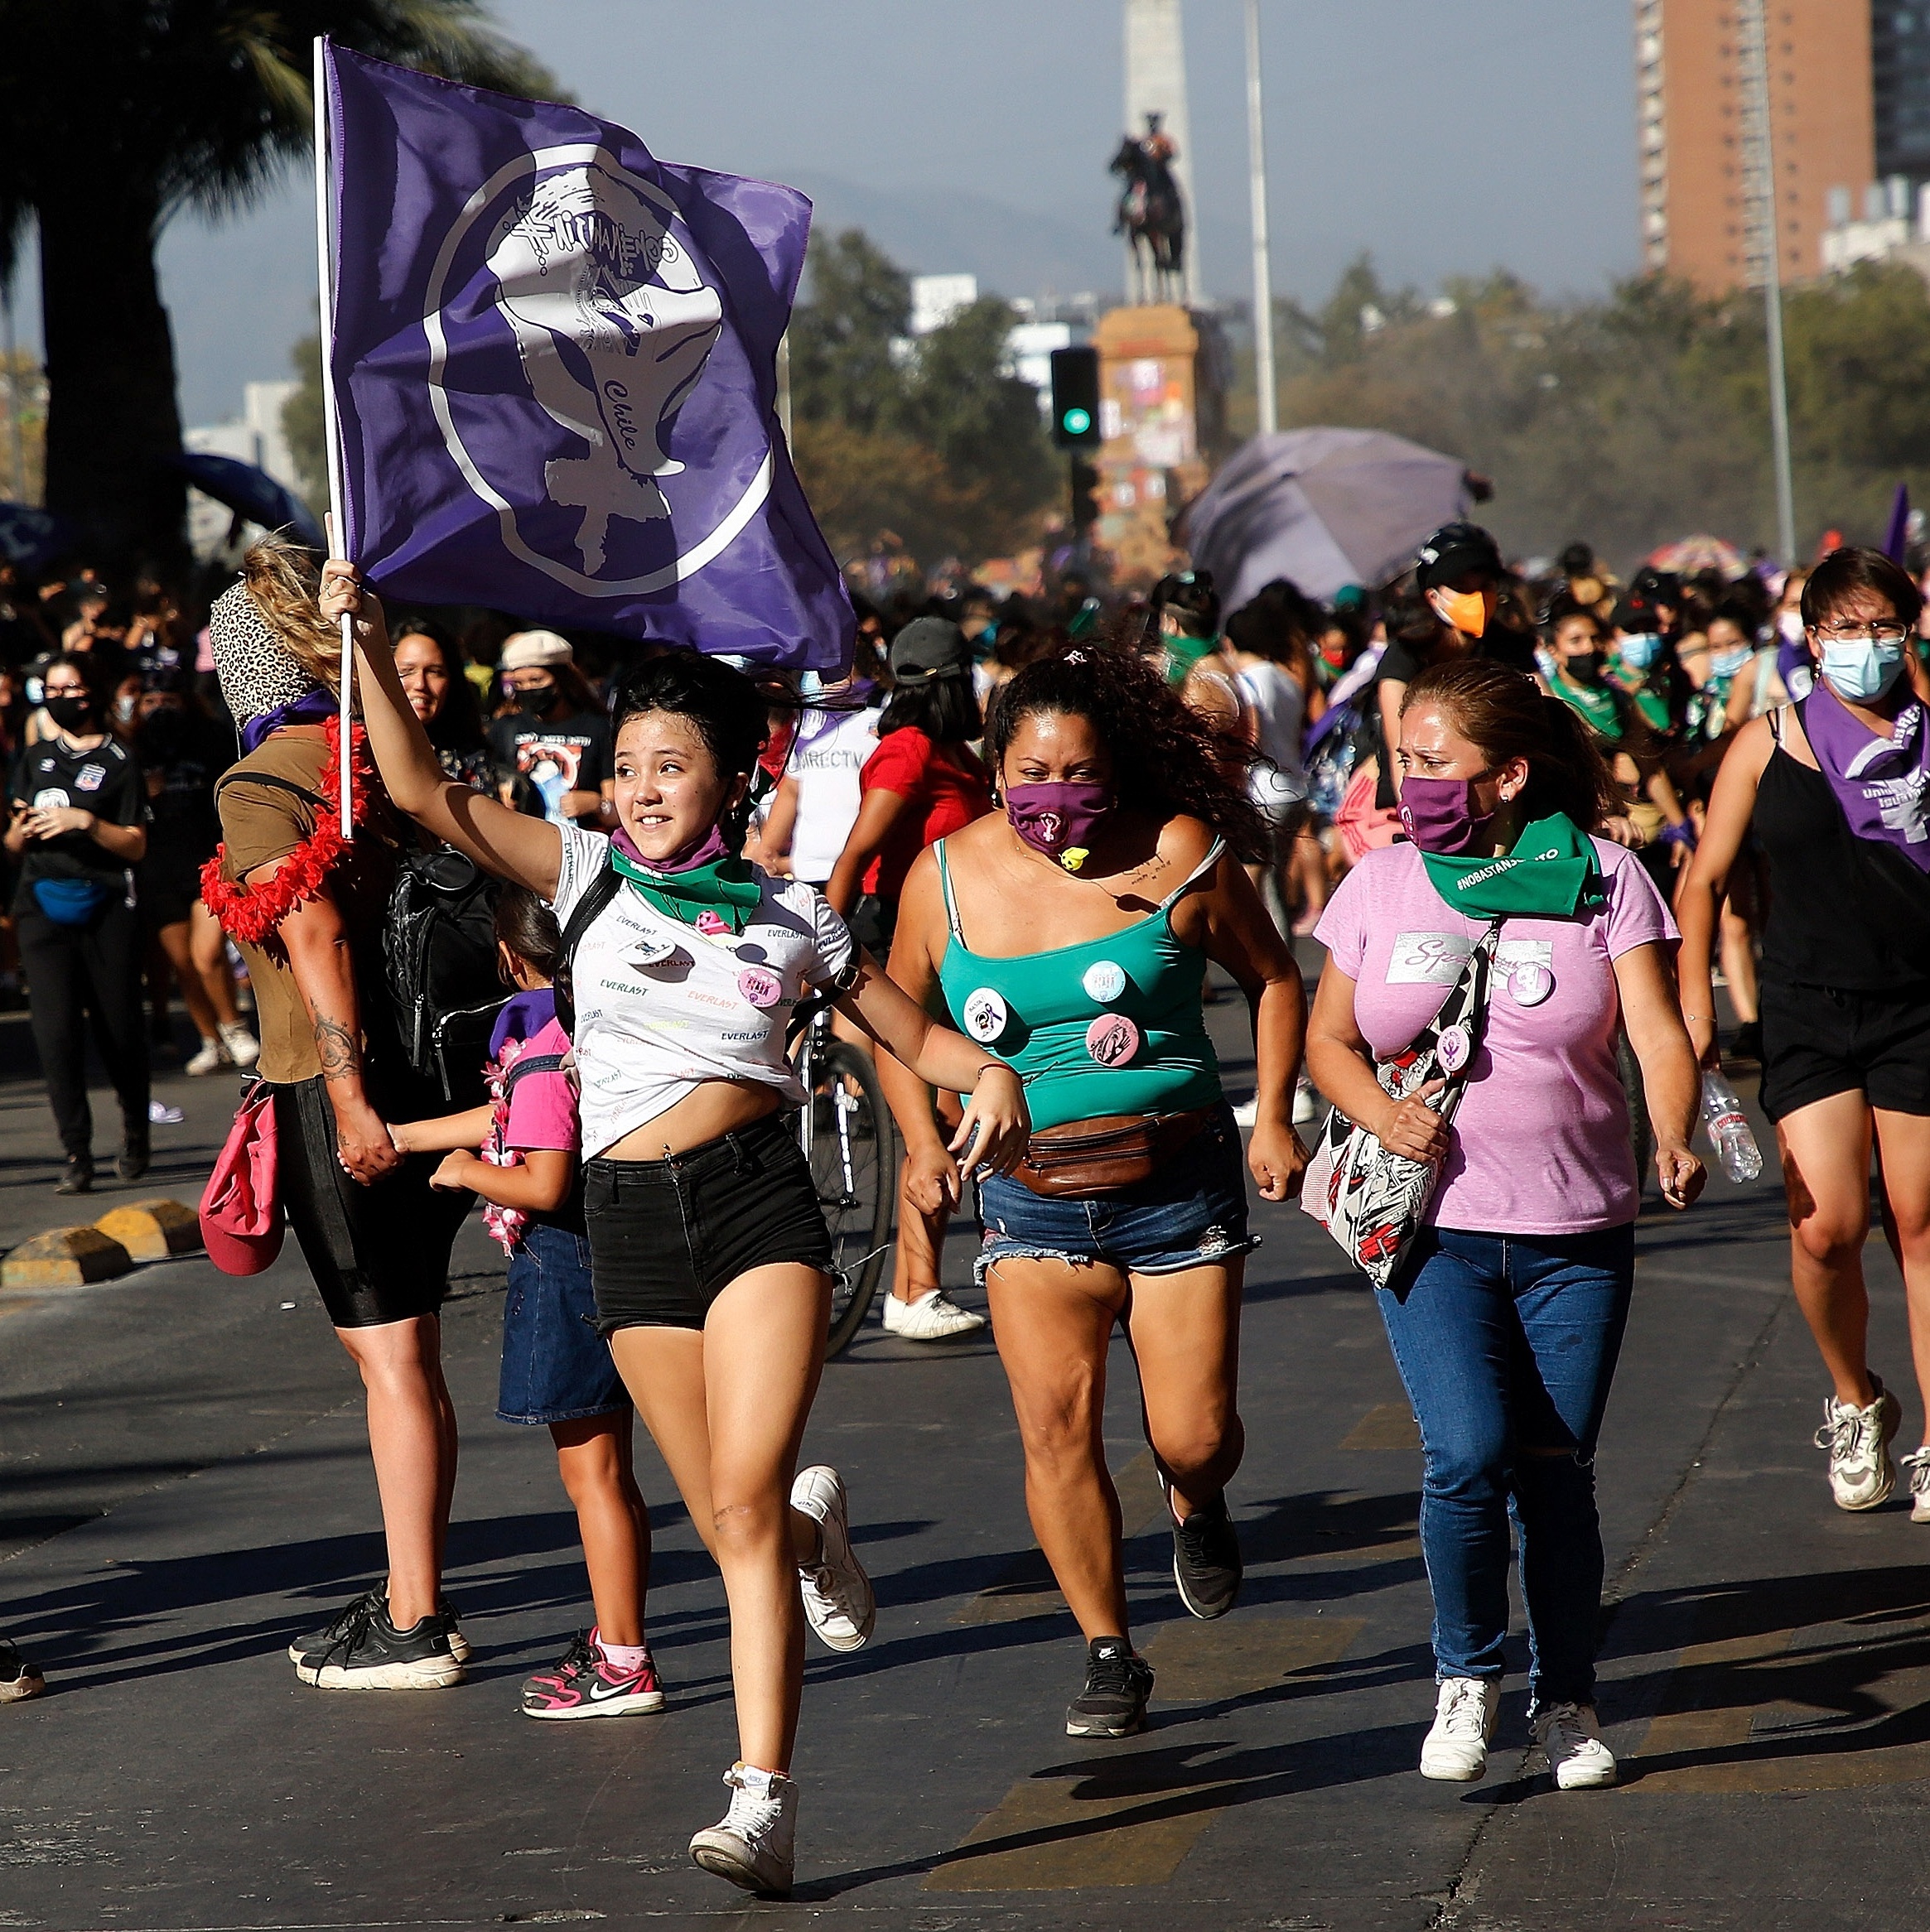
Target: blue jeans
[[1507, 1344]]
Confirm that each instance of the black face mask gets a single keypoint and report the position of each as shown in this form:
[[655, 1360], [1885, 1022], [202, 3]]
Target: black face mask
[[70, 714], [540, 702]]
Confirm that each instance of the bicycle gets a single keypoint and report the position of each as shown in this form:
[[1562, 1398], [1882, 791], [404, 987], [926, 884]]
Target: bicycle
[[846, 1131]]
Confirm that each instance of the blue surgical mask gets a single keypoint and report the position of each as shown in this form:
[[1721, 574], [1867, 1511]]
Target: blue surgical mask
[[1727, 663], [1638, 653], [1860, 669]]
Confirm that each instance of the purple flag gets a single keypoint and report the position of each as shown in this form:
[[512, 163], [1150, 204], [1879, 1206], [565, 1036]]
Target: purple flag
[[555, 368], [1896, 540]]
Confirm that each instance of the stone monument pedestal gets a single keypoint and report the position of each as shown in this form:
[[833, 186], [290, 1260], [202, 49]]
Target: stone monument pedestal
[[1150, 463]]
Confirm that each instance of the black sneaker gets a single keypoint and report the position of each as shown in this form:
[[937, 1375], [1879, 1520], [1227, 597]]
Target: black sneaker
[[135, 1154], [77, 1176], [1117, 1685], [1206, 1559], [332, 1632], [18, 1678], [371, 1653]]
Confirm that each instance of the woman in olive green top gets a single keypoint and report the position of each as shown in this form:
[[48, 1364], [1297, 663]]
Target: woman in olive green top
[[1070, 934]]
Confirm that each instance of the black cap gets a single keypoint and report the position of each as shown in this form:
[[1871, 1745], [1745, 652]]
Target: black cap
[[1636, 616], [929, 647], [1452, 552]]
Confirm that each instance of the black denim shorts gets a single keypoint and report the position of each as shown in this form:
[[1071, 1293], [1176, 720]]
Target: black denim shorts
[[667, 1237]]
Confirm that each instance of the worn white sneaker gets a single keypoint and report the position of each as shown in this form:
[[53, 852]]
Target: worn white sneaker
[[1571, 1740], [241, 1047], [837, 1594], [1861, 1474], [1456, 1748], [210, 1060], [1306, 1103], [1247, 1112], [931, 1317], [755, 1844], [1918, 1462]]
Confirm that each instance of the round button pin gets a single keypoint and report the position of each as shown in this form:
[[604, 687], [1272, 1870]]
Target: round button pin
[[760, 986], [1530, 983], [1112, 1039], [1104, 981], [1453, 1049], [652, 951], [710, 924], [985, 1016]]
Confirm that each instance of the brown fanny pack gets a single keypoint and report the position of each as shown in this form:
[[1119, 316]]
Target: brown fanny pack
[[1107, 1161]]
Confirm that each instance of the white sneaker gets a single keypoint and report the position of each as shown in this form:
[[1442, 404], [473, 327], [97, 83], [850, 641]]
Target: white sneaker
[[1918, 1462], [1306, 1103], [1861, 1474], [1247, 1113], [210, 1060], [837, 1594], [755, 1844], [1571, 1740], [931, 1317], [241, 1047], [1456, 1748]]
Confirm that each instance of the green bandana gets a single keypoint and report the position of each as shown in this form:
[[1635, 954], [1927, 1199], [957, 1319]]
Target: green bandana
[[725, 887], [1653, 706], [1182, 654], [1596, 703], [1550, 871]]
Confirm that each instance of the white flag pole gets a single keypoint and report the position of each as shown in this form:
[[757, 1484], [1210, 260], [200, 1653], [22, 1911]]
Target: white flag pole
[[325, 271]]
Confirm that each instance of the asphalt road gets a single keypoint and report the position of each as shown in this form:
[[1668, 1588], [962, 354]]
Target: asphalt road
[[183, 1487]]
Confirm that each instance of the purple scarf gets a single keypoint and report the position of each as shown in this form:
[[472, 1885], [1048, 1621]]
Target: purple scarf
[[1882, 783], [706, 851], [312, 707]]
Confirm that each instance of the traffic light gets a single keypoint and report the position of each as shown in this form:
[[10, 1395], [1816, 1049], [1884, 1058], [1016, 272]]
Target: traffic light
[[1085, 501], [1075, 398]]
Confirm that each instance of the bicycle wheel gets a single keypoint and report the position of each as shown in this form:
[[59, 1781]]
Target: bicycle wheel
[[854, 1163]]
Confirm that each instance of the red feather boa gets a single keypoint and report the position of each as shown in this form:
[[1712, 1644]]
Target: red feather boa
[[254, 913]]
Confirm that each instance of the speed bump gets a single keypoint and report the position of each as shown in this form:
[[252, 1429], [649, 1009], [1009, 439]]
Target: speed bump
[[153, 1231], [64, 1257]]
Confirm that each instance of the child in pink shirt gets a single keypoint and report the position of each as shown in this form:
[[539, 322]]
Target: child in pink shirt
[[556, 1369]]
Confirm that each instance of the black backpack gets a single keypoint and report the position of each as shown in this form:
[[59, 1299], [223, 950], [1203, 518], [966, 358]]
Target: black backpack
[[441, 951], [600, 892]]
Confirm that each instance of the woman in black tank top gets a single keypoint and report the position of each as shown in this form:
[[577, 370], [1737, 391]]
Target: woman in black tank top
[[1837, 788]]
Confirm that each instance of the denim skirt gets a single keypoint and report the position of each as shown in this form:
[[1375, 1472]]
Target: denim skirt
[[556, 1366]]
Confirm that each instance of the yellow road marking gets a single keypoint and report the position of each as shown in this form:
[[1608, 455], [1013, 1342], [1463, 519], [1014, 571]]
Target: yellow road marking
[[1390, 1426], [1130, 1819]]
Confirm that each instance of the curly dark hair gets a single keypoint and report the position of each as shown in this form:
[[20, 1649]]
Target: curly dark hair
[[730, 714], [1166, 759]]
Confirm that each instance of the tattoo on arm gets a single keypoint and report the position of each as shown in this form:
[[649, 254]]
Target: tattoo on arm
[[340, 1051]]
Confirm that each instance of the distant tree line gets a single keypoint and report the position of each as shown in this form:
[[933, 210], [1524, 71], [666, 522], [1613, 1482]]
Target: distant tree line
[[1637, 419]]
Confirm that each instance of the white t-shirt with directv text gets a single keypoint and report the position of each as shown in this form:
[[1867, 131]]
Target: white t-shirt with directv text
[[831, 751], [661, 1008]]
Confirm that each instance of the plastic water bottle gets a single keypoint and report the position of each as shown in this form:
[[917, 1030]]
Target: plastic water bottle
[[1728, 1129]]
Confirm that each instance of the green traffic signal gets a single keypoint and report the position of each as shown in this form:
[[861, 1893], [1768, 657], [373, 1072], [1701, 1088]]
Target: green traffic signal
[[1077, 422]]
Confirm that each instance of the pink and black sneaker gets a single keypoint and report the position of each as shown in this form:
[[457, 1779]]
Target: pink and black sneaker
[[587, 1684]]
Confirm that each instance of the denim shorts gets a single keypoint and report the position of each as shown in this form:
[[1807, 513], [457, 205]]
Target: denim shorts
[[556, 1366], [1191, 1214]]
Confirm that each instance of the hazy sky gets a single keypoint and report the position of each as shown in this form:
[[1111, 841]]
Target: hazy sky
[[1444, 136]]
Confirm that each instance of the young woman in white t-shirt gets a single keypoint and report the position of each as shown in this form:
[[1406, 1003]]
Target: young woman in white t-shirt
[[708, 1248]]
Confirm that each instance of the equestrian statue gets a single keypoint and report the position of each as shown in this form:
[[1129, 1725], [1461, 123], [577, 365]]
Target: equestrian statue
[[1150, 212]]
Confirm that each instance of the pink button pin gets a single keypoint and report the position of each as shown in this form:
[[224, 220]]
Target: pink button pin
[[710, 924], [1112, 1039], [760, 986]]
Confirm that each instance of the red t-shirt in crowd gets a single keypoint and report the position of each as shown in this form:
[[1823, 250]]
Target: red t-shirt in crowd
[[948, 787]]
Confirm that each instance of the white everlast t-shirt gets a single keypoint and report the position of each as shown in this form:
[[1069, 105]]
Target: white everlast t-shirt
[[661, 1008], [831, 751]]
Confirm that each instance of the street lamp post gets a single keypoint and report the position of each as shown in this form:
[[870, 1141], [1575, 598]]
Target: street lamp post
[[1263, 376], [1762, 142]]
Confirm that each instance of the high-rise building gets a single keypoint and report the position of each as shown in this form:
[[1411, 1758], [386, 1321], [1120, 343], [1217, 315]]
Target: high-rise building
[[1702, 189], [1899, 56]]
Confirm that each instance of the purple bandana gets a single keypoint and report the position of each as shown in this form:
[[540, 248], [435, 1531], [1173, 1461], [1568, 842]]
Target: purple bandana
[[314, 707], [1882, 783], [706, 851]]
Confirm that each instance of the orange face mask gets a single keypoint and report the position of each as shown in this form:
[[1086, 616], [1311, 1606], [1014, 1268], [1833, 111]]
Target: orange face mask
[[1466, 610]]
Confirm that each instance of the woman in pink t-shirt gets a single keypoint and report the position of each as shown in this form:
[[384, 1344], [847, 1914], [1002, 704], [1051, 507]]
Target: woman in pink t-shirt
[[1505, 1321]]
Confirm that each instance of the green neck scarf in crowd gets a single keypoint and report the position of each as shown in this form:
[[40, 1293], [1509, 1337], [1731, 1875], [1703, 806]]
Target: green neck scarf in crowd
[[726, 887], [1550, 871], [1185, 654], [1594, 702]]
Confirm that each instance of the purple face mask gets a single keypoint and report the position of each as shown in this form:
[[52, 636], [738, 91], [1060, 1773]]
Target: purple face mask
[[1058, 819], [1439, 815]]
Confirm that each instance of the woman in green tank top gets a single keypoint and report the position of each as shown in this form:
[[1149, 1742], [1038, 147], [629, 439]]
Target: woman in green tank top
[[1068, 933]]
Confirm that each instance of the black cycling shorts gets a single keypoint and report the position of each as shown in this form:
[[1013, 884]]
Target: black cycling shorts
[[378, 1252], [1818, 1041], [667, 1237]]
